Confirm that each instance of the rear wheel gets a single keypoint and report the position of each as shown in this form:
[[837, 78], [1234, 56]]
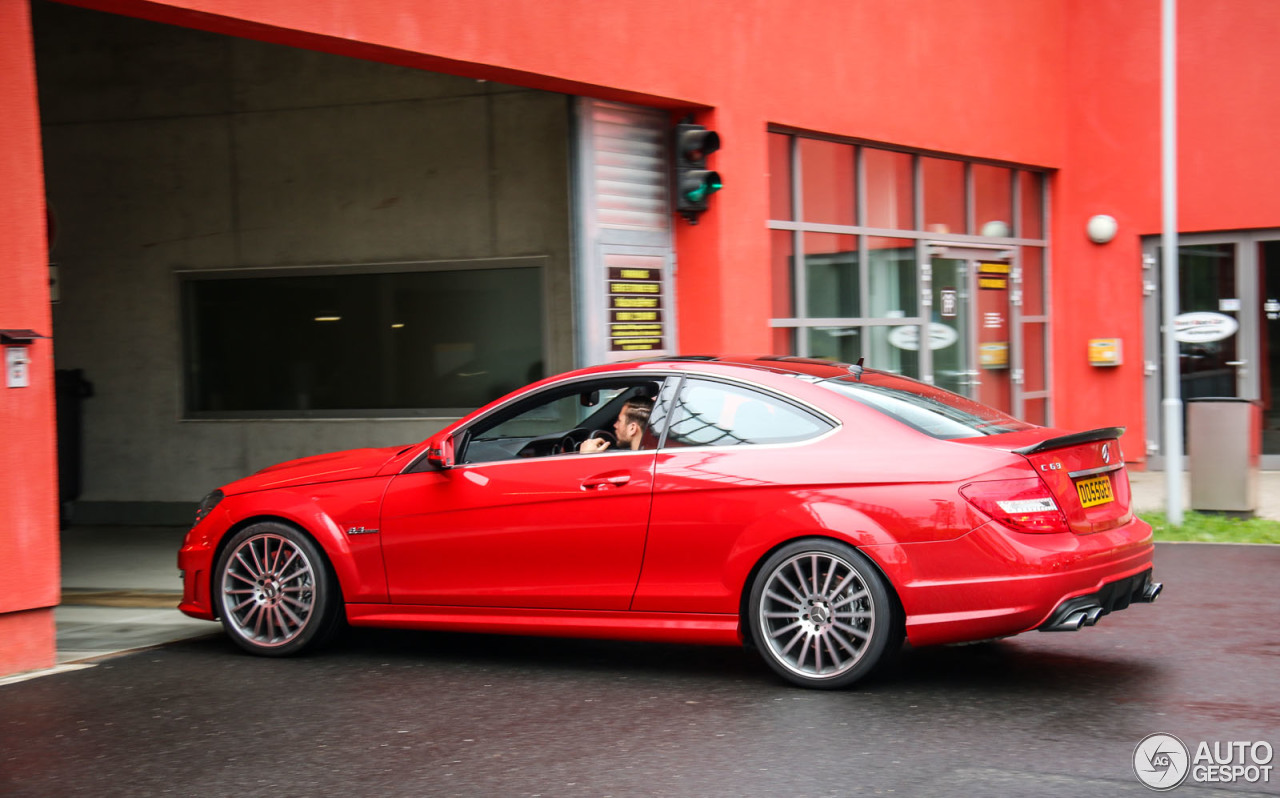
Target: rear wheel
[[275, 593], [821, 614]]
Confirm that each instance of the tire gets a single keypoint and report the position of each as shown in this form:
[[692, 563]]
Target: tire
[[821, 614], [274, 591]]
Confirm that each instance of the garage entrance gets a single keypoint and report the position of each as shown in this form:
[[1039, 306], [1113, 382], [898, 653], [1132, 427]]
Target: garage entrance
[[264, 252]]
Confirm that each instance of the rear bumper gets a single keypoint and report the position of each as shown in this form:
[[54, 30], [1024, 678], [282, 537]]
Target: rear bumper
[[996, 582], [1081, 611]]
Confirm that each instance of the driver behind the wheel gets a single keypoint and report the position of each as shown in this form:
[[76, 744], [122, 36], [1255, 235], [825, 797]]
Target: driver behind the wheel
[[628, 427]]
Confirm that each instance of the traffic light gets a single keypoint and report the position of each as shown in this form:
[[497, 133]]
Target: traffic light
[[694, 182]]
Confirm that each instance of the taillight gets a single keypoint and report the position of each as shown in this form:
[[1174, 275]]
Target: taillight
[[1024, 504]]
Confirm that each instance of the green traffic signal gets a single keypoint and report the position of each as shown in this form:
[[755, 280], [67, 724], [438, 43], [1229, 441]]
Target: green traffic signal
[[698, 184], [694, 182]]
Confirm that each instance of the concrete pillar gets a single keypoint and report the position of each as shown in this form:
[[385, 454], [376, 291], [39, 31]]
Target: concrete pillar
[[29, 578]]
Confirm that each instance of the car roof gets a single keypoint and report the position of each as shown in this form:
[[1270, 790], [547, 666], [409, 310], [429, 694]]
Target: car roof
[[778, 364]]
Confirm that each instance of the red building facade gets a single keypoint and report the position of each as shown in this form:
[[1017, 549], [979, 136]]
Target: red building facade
[[1048, 109]]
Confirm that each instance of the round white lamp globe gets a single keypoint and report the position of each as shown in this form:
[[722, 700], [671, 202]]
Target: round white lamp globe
[[995, 229], [1101, 228]]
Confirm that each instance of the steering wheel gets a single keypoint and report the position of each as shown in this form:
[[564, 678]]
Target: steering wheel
[[576, 437]]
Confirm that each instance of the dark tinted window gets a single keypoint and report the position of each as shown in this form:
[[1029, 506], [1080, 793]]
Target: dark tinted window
[[327, 343], [930, 410], [718, 414]]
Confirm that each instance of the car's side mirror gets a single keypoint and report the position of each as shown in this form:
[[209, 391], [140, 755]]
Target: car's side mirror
[[589, 398], [440, 452]]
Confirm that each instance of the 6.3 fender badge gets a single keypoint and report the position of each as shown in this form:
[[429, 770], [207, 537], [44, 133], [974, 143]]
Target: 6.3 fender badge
[[360, 530]]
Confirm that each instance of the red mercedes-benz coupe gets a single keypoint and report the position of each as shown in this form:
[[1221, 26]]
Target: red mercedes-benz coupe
[[816, 512]]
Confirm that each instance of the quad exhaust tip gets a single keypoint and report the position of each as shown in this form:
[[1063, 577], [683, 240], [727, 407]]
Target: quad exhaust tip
[[1087, 611], [1074, 620]]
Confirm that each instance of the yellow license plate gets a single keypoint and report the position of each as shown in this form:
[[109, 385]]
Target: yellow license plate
[[1096, 490]]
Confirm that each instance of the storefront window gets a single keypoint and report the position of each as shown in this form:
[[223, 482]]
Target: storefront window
[[947, 297], [993, 200], [890, 189], [827, 182], [781, 258], [780, 205], [943, 195], [1033, 298], [831, 276], [1031, 198], [892, 266], [842, 343]]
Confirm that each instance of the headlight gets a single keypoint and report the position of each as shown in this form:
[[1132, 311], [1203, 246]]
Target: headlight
[[206, 506]]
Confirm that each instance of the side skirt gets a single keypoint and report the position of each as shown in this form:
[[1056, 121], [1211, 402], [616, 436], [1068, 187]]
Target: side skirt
[[655, 627]]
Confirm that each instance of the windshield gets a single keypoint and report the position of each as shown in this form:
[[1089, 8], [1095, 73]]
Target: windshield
[[930, 410]]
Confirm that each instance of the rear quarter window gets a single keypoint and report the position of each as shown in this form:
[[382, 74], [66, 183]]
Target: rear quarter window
[[933, 411]]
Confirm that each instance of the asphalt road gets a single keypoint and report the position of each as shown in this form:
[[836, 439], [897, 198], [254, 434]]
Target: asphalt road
[[419, 714]]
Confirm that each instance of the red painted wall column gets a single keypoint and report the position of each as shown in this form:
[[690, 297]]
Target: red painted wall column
[[29, 577]]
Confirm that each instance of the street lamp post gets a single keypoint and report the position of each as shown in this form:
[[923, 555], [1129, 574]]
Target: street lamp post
[[1172, 403]]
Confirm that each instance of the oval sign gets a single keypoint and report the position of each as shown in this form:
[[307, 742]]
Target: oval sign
[[1202, 327], [908, 336]]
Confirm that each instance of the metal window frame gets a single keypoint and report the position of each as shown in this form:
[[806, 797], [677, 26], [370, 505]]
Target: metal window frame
[[801, 322]]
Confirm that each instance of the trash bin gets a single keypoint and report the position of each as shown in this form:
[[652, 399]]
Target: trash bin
[[1224, 437], [70, 389]]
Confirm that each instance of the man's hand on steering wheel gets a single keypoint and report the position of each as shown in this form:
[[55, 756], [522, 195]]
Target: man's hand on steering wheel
[[597, 441], [585, 441]]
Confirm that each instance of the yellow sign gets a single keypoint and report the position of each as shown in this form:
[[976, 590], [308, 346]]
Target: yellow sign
[[635, 302], [634, 288], [637, 343], [994, 355], [635, 315], [636, 274], [1104, 352], [993, 268], [642, 329]]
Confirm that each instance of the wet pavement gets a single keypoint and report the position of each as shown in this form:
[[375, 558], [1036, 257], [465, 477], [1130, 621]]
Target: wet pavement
[[120, 592], [411, 713]]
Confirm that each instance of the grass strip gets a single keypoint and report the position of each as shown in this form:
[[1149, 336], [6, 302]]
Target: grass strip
[[1210, 528]]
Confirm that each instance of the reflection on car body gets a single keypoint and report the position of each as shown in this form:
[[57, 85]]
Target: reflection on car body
[[816, 512]]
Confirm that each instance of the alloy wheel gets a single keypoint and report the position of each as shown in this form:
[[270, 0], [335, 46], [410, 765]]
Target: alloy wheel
[[268, 590], [816, 615]]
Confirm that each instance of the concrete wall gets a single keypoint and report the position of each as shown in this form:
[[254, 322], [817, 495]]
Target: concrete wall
[[170, 149], [28, 471]]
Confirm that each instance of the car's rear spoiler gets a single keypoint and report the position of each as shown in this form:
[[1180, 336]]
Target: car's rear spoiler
[[1074, 439]]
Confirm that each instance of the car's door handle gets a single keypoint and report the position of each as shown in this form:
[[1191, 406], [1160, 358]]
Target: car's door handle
[[605, 481]]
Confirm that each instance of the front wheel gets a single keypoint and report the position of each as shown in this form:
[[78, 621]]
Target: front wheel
[[274, 591], [821, 614]]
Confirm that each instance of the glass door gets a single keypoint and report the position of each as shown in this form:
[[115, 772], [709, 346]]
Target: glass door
[[1209, 359], [1269, 347], [971, 334], [1227, 328], [950, 326]]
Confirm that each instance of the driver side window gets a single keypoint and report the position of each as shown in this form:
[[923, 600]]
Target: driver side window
[[553, 417], [554, 421]]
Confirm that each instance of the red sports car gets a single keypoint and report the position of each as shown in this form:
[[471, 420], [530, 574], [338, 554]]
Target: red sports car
[[816, 512]]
